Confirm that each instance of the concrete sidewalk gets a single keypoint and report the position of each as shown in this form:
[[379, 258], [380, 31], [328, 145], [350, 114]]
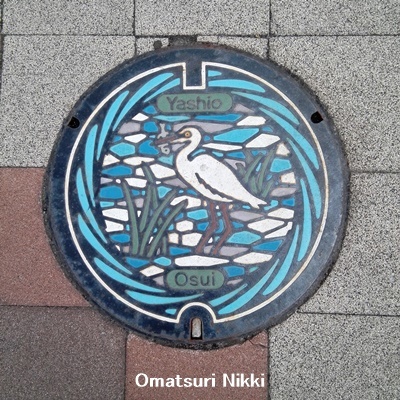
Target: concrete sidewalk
[[344, 343]]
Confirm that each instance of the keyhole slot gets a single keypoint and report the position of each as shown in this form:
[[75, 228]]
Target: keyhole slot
[[196, 329]]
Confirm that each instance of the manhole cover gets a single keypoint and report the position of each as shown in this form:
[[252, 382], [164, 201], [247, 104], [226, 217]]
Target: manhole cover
[[197, 195]]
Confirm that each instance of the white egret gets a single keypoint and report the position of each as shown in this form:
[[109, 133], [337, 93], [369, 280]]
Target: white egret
[[211, 178]]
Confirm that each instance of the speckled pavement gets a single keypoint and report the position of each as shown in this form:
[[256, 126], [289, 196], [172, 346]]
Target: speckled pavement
[[344, 343]]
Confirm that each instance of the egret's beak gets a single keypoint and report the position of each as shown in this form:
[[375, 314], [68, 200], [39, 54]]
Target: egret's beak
[[167, 139]]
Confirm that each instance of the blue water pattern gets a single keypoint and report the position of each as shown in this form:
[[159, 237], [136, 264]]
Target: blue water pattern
[[147, 148], [167, 86], [108, 121], [236, 84], [244, 237], [136, 262], [288, 202], [162, 191], [89, 159], [202, 226], [311, 180], [284, 269], [268, 246], [87, 233], [168, 160], [123, 149], [220, 300], [115, 275], [237, 154], [211, 73], [120, 170], [164, 261], [236, 135], [104, 204], [141, 92], [279, 108], [224, 118], [150, 127], [120, 237], [111, 192], [234, 271], [273, 204], [307, 223], [297, 137], [150, 110], [279, 165], [198, 214], [177, 251], [246, 297], [82, 196], [157, 300], [171, 118]]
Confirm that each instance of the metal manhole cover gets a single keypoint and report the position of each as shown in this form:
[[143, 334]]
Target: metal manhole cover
[[197, 195]]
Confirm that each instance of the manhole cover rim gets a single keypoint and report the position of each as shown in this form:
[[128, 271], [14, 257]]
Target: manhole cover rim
[[327, 258]]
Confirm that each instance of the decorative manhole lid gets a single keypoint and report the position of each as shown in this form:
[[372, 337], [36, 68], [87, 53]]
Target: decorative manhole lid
[[197, 195]]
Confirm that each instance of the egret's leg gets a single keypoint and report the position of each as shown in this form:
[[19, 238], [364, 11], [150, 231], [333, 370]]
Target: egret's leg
[[210, 229], [228, 229]]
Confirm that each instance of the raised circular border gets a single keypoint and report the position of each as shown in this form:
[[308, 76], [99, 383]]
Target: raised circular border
[[305, 284]]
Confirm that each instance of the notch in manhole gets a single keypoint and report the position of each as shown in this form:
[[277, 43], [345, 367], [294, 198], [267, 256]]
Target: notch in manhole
[[196, 328]]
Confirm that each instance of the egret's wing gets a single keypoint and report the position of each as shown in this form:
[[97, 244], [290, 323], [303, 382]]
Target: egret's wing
[[220, 179]]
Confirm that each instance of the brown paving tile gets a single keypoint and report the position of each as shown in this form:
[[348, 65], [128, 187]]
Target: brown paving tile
[[60, 353], [30, 275], [144, 357]]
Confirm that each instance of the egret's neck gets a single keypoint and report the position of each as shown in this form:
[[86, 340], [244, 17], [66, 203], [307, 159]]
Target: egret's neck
[[189, 148]]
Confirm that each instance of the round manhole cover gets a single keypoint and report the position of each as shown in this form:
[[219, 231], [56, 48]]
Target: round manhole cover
[[197, 195]]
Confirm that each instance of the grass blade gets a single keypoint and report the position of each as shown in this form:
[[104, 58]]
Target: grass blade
[[149, 230], [132, 218], [267, 189], [146, 209], [251, 168], [147, 173], [150, 177], [174, 212], [263, 170]]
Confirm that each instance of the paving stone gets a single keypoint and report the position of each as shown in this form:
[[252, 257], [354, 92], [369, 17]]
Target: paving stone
[[29, 272], [331, 17], [49, 353], [256, 46], [365, 277], [216, 17], [94, 17], [144, 45], [43, 77], [335, 357], [358, 80], [153, 360]]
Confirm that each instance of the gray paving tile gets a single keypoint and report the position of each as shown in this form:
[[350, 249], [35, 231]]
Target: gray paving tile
[[329, 17], [95, 17], [365, 277], [43, 77], [53, 353], [215, 17], [256, 46], [358, 80], [144, 45], [335, 357]]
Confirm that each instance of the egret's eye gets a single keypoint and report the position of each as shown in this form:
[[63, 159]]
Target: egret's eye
[[187, 134]]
